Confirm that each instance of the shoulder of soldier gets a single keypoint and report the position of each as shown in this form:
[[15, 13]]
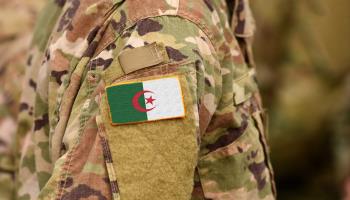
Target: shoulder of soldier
[[198, 12], [184, 27]]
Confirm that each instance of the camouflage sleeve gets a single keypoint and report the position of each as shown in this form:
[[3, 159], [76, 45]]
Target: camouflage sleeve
[[225, 117], [166, 150]]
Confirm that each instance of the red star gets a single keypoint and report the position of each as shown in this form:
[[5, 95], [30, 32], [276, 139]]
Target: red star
[[150, 100]]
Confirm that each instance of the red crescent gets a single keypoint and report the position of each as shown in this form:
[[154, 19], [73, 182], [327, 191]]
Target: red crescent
[[135, 101]]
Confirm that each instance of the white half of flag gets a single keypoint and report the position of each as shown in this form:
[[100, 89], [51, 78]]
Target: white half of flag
[[165, 98]]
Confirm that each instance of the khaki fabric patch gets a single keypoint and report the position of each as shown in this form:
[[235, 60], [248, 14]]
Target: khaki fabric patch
[[141, 57], [155, 160]]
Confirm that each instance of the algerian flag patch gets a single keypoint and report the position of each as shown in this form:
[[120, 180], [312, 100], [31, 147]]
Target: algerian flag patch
[[150, 100]]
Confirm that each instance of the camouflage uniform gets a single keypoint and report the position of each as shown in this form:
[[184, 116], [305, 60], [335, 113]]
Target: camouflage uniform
[[15, 34], [218, 151]]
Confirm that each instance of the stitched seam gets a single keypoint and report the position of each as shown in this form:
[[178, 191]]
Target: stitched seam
[[264, 147], [66, 81], [65, 170], [84, 118], [65, 167], [110, 169], [64, 176]]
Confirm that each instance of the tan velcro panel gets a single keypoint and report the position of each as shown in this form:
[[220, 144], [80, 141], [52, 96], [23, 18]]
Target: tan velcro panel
[[141, 57]]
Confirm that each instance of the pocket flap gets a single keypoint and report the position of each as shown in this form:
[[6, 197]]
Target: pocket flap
[[244, 87]]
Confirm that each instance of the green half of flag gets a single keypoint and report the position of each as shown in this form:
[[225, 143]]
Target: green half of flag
[[120, 99]]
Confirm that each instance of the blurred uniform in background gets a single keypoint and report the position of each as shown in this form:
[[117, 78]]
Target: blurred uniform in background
[[84, 107], [303, 62], [16, 24]]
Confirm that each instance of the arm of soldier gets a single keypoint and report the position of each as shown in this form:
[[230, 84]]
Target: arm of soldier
[[232, 159], [165, 150], [234, 162]]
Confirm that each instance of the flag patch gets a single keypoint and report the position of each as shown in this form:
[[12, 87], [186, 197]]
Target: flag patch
[[150, 100]]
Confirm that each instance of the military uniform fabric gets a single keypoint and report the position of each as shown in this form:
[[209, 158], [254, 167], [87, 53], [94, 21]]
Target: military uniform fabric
[[216, 151]]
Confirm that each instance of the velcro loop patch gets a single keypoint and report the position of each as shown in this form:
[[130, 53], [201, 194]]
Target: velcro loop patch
[[141, 57], [155, 160]]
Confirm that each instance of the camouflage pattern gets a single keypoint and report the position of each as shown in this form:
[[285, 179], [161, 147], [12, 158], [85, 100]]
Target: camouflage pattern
[[15, 35], [72, 150]]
